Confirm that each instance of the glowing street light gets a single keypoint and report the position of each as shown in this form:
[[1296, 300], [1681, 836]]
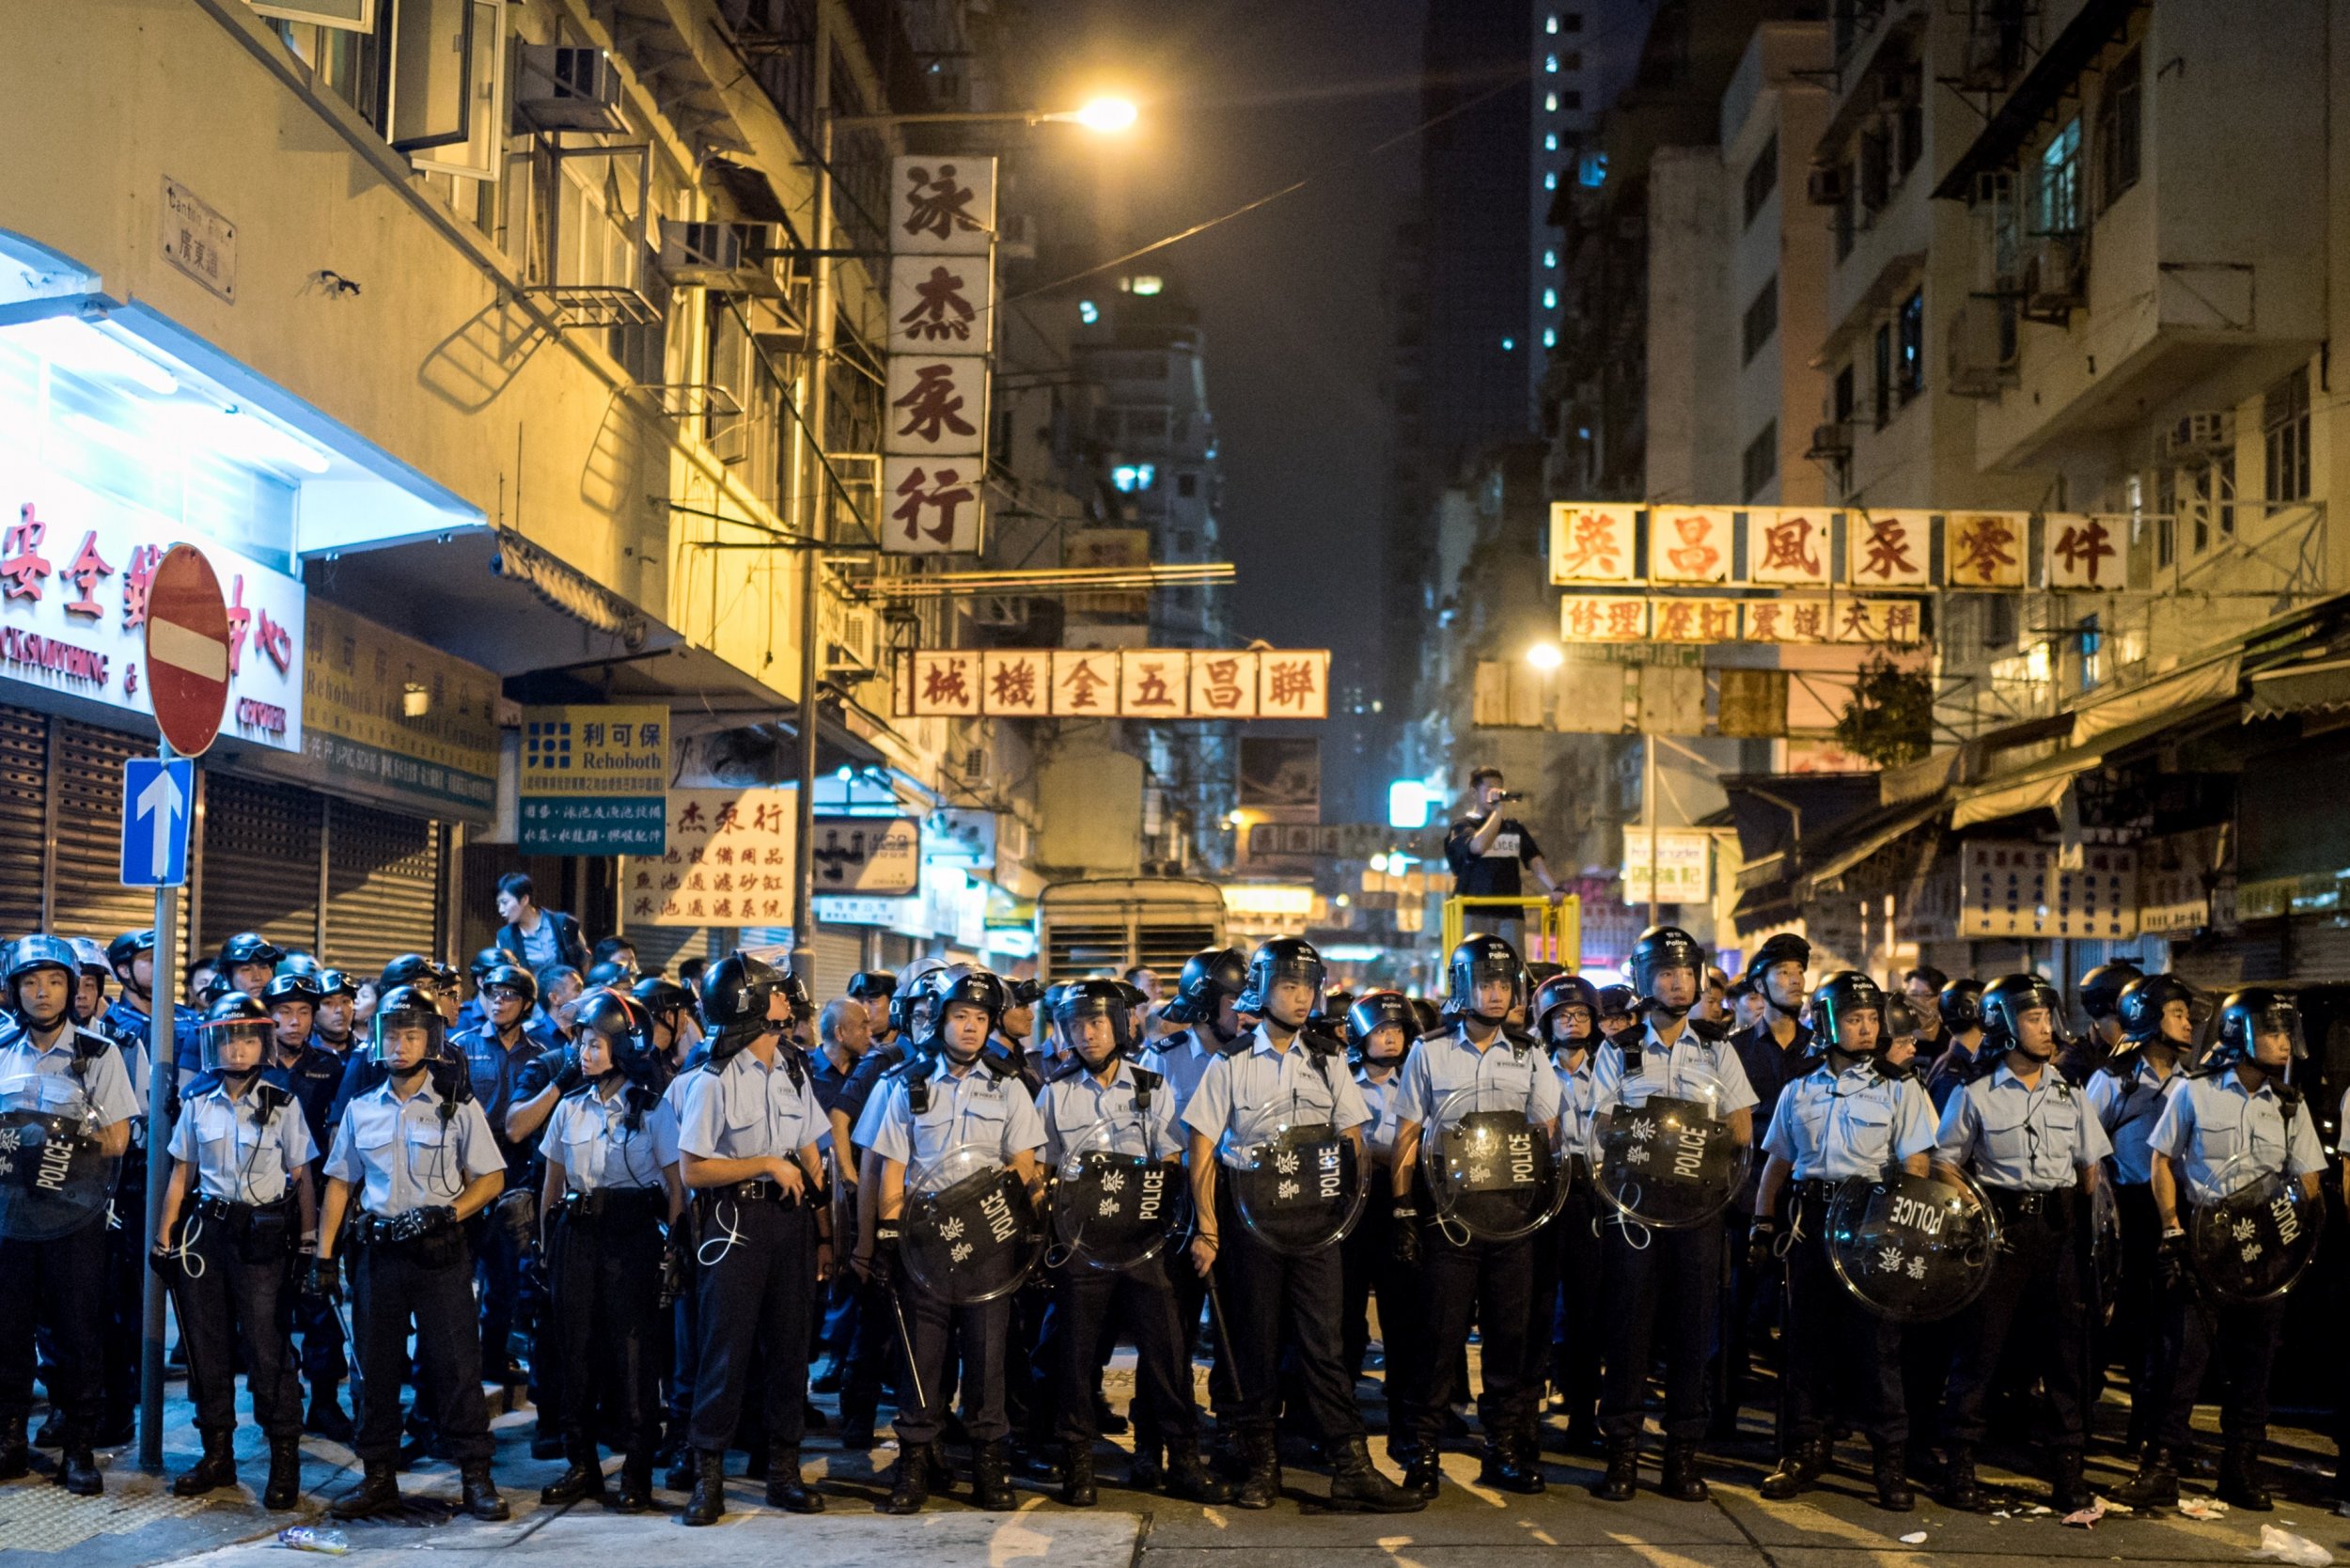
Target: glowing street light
[[1546, 655], [1109, 116]]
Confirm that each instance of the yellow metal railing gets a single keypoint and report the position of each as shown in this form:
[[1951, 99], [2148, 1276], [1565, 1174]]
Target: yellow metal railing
[[1551, 932]]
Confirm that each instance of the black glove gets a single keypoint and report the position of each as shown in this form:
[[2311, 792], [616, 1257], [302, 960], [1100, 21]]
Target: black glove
[[1760, 1237], [322, 1280], [568, 1076], [1404, 1242], [164, 1260], [886, 1238], [416, 1224], [672, 1269], [518, 1216], [2170, 1259]]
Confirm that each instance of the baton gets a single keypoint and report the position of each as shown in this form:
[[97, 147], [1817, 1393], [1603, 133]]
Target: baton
[[1226, 1353], [905, 1343]]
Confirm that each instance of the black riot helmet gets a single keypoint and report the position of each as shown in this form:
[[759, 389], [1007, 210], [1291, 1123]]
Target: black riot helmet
[[611, 975], [2141, 1003], [1839, 997], [1372, 1012], [1208, 978], [407, 1007], [981, 988], [1783, 947], [2101, 988], [2250, 1012], [334, 983], [1476, 960], [1666, 947], [871, 983], [1960, 1003], [235, 1017], [1425, 1020], [489, 959], [296, 961], [736, 992], [510, 976], [289, 988], [248, 947], [1075, 1001], [1565, 990], [796, 996], [915, 997], [409, 969], [28, 953], [123, 952], [626, 1029], [660, 997], [1289, 958], [2006, 1000]]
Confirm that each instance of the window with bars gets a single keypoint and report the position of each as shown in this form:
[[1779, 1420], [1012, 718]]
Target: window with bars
[[1762, 320], [2285, 436], [1760, 465], [2117, 135]]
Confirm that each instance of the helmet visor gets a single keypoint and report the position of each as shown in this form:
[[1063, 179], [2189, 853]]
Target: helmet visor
[[407, 1037], [237, 1046]]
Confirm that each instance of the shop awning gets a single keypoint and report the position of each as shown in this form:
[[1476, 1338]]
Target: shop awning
[[2042, 785], [2323, 687], [2167, 698], [2052, 77], [1864, 837]]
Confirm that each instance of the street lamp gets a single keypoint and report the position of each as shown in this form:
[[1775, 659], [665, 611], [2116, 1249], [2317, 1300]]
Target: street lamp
[[1546, 656], [1109, 116]]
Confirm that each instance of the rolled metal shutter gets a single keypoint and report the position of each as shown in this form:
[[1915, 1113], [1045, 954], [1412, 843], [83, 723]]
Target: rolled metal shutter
[[383, 886], [665, 948], [261, 861], [23, 819], [840, 954], [90, 899]]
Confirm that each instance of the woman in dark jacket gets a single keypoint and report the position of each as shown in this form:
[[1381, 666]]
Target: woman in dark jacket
[[541, 937]]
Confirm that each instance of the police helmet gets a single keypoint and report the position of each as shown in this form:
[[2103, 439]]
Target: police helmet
[[248, 947], [608, 974], [235, 1016], [1618, 1001], [1372, 1012], [2006, 1000], [41, 951], [2249, 1012], [1278, 959], [1334, 1004], [1075, 1001], [124, 950], [291, 988], [1783, 947], [914, 991], [1836, 1000], [406, 1007], [1960, 1003], [408, 969], [1663, 947], [736, 992], [869, 984], [2101, 988], [1209, 976], [489, 959], [296, 961], [1563, 991], [660, 997], [1474, 961], [1425, 1020], [510, 976], [2143, 1001], [90, 959], [337, 982], [625, 1026], [981, 988]]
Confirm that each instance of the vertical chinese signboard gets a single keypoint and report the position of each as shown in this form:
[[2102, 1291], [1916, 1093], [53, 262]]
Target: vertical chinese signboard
[[942, 325], [729, 861], [593, 780]]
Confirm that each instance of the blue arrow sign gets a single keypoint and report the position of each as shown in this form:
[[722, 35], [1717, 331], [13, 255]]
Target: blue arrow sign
[[156, 800]]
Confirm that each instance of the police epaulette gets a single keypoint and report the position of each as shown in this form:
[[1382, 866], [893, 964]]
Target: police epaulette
[[1321, 1041], [1070, 1069], [203, 1082], [1237, 1045], [1520, 1042], [1002, 1067], [1431, 1034], [1706, 1030]]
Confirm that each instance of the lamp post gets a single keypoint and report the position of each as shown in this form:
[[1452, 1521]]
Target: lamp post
[[1105, 115]]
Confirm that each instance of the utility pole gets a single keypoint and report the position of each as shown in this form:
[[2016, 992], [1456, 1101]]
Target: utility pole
[[818, 493]]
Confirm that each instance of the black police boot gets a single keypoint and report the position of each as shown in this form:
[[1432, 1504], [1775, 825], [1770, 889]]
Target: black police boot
[[682, 1474], [1798, 1472], [285, 1475], [1076, 1481], [1260, 1473], [2240, 1479], [1960, 1489], [709, 1501], [77, 1469], [377, 1493], [787, 1488], [990, 1478], [16, 1455], [635, 1494], [1423, 1476], [909, 1482], [2156, 1484], [1144, 1472], [1189, 1478], [1681, 1480], [218, 1467], [1892, 1481], [51, 1433], [1106, 1420], [1623, 1471], [2068, 1489], [479, 1494], [1512, 1463], [1357, 1487], [583, 1480], [325, 1417], [857, 1428]]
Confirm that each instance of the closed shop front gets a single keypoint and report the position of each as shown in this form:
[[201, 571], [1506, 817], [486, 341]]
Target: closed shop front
[[383, 886], [260, 865], [840, 954], [24, 818]]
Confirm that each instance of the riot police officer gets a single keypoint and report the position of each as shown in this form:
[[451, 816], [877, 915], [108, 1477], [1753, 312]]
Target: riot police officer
[[2127, 1093], [1847, 1118], [1663, 1288], [1775, 1051], [132, 957], [412, 1161], [495, 1053], [312, 1072], [224, 1249], [874, 988], [611, 1187], [1279, 1075], [2101, 999], [1960, 1004], [55, 1280], [247, 960], [2034, 1144], [332, 1018], [1379, 1030], [2236, 1125], [948, 1097], [1502, 1069], [1563, 1341], [1099, 1103], [124, 1297], [748, 1130]]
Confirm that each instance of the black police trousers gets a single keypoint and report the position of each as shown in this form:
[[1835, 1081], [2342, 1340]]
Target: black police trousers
[[1839, 1357], [1491, 1284], [60, 1284], [1089, 1305], [1660, 1297], [427, 1283], [755, 1296], [2036, 1276], [1265, 1293], [604, 1325], [1569, 1262], [123, 1335], [1367, 1268], [226, 1304], [2242, 1339], [983, 1333], [2140, 1314]]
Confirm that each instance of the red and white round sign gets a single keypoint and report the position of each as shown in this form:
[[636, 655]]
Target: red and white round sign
[[187, 651]]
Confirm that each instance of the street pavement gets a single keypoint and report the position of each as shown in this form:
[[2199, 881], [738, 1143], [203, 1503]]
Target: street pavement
[[138, 1523]]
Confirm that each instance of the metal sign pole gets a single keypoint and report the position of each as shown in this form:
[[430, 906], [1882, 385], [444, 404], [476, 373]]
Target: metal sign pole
[[162, 1074]]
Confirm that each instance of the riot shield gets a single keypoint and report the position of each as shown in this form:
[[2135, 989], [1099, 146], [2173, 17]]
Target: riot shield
[[1912, 1249], [1113, 1210], [2104, 1272], [1490, 1172], [2253, 1232], [55, 1178], [968, 1232], [1670, 1162], [1300, 1190]]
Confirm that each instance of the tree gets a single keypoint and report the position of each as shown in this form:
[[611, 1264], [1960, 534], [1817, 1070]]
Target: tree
[[1890, 720]]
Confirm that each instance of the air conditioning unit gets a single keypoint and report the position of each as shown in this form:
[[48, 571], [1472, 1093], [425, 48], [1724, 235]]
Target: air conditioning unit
[[853, 636], [723, 255], [1828, 186], [2199, 435], [1012, 838], [1831, 442], [2056, 279], [564, 88], [1976, 362]]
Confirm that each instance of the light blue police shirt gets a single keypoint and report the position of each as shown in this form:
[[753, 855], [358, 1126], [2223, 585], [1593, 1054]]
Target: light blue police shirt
[[238, 1159], [1246, 1099], [1830, 1126], [2018, 1139]]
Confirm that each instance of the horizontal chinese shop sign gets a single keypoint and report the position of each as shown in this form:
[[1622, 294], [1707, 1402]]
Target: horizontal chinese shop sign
[[1635, 618], [1619, 545], [728, 863], [1105, 683]]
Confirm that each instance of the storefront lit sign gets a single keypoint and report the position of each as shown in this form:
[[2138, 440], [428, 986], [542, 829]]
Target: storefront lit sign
[[1097, 682], [1683, 862], [728, 862], [594, 779], [389, 716], [1268, 900], [1648, 620], [1623, 544]]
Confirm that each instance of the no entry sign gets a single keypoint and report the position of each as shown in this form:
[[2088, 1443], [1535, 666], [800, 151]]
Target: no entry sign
[[187, 651]]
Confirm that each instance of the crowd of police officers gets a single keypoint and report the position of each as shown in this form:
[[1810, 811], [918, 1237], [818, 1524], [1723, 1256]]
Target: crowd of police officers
[[955, 1189]]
